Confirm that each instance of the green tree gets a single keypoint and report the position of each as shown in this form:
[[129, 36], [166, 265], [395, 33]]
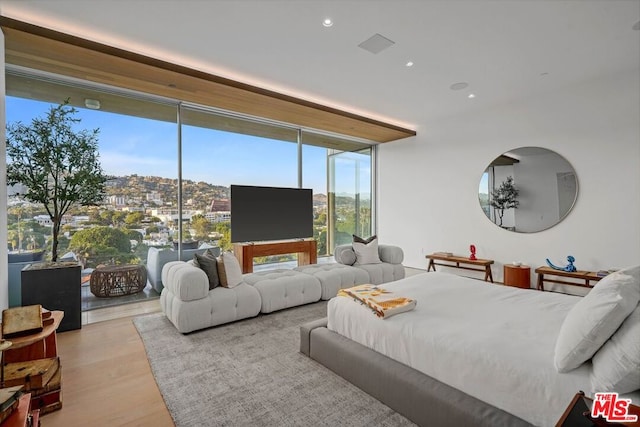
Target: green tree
[[133, 235], [152, 229], [99, 245], [224, 229], [117, 218], [59, 165], [201, 226], [134, 218]]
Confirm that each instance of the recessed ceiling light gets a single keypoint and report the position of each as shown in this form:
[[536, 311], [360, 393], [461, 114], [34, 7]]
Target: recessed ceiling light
[[471, 96], [92, 104], [636, 26], [409, 64], [459, 86], [327, 22]]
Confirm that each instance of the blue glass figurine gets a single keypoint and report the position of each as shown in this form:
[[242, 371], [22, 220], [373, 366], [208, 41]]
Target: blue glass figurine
[[569, 267]]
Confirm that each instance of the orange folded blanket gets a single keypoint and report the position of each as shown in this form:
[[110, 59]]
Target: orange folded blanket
[[383, 303]]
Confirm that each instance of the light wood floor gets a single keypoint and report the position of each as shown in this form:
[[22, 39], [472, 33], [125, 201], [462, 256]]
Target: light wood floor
[[106, 378]]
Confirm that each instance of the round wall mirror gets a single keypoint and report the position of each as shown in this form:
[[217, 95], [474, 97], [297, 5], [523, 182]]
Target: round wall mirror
[[528, 189]]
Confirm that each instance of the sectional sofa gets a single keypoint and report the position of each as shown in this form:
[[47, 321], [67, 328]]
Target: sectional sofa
[[190, 305]]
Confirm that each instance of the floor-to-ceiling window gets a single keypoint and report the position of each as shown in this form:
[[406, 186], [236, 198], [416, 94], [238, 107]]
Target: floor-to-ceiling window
[[350, 200], [137, 151], [140, 146]]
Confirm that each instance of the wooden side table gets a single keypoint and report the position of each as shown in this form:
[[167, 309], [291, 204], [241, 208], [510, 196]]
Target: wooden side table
[[41, 345], [485, 264], [517, 275]]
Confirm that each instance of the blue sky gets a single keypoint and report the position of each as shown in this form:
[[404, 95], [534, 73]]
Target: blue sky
[[130, 145]]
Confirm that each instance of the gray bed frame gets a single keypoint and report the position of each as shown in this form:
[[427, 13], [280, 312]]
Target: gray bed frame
[[420, 398]]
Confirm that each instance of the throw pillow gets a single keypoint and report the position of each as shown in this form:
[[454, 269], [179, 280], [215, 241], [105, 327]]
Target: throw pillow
[[367, 253], [365, 241], [209, 264], [229, 270], [616, 366], [594, 319], [345, 255]]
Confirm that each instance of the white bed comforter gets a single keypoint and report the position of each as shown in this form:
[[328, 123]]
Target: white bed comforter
[[493, 342]]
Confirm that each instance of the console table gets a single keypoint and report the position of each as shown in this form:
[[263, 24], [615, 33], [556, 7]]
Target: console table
[[307, 251], [457, 260], [584, 278]]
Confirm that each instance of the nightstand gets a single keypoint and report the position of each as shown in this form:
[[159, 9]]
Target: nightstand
[[517, 275]]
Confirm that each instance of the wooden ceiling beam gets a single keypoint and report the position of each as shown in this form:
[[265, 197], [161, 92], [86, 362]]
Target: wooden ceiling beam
[[43, 49]]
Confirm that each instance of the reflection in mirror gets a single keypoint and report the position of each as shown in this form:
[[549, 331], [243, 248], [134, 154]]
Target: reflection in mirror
[[528, 189]]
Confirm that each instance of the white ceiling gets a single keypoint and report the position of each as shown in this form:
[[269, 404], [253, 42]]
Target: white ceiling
[[504, 49]]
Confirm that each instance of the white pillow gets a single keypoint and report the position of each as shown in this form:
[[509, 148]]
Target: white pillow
[[616, 366], [229, 270], [594, 319], [367, 253]]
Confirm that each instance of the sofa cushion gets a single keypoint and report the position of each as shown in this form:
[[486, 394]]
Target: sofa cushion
[[157, 258], [344, 254], [229, 270], [391, 254], [209, 264], [184, 281], [383, 272], [366, 253], [221, 305], [334, 277], [358, 239], [282, 288]]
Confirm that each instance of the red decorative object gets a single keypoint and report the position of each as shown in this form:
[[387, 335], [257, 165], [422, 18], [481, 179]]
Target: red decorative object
[[472, 248]]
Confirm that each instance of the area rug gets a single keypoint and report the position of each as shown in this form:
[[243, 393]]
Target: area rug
[[251, 373]]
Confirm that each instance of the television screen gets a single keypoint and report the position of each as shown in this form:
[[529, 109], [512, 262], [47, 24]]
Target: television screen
[[270, 213]]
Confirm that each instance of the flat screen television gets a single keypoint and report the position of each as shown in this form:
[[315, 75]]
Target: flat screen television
[[270, 213]]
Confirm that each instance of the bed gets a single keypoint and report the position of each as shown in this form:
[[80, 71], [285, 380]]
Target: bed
[[469, 353]]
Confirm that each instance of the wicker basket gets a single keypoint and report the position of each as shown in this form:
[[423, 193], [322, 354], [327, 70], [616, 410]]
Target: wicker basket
[[118, 280]]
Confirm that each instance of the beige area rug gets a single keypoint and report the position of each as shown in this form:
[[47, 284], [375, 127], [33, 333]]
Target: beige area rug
[[251, 373]]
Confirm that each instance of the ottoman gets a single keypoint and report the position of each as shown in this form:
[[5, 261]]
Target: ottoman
[[334, 277], [280, 288]]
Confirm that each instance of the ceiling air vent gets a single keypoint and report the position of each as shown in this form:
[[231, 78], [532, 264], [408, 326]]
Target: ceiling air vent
[[376, 43]]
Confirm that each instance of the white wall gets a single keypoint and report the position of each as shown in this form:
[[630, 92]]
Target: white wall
[[4, 279], [428, 184]]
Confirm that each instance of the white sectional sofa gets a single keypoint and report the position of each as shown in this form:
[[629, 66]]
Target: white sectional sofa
[[189, 304]]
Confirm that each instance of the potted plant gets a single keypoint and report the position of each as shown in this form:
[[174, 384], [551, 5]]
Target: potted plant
[[59, 167], [504, 197]]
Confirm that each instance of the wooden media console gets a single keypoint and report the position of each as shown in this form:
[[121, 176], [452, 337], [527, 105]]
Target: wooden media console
[[307, 251]]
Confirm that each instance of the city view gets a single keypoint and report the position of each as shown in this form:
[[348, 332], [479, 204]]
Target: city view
[[144, 209], [141, 207]]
